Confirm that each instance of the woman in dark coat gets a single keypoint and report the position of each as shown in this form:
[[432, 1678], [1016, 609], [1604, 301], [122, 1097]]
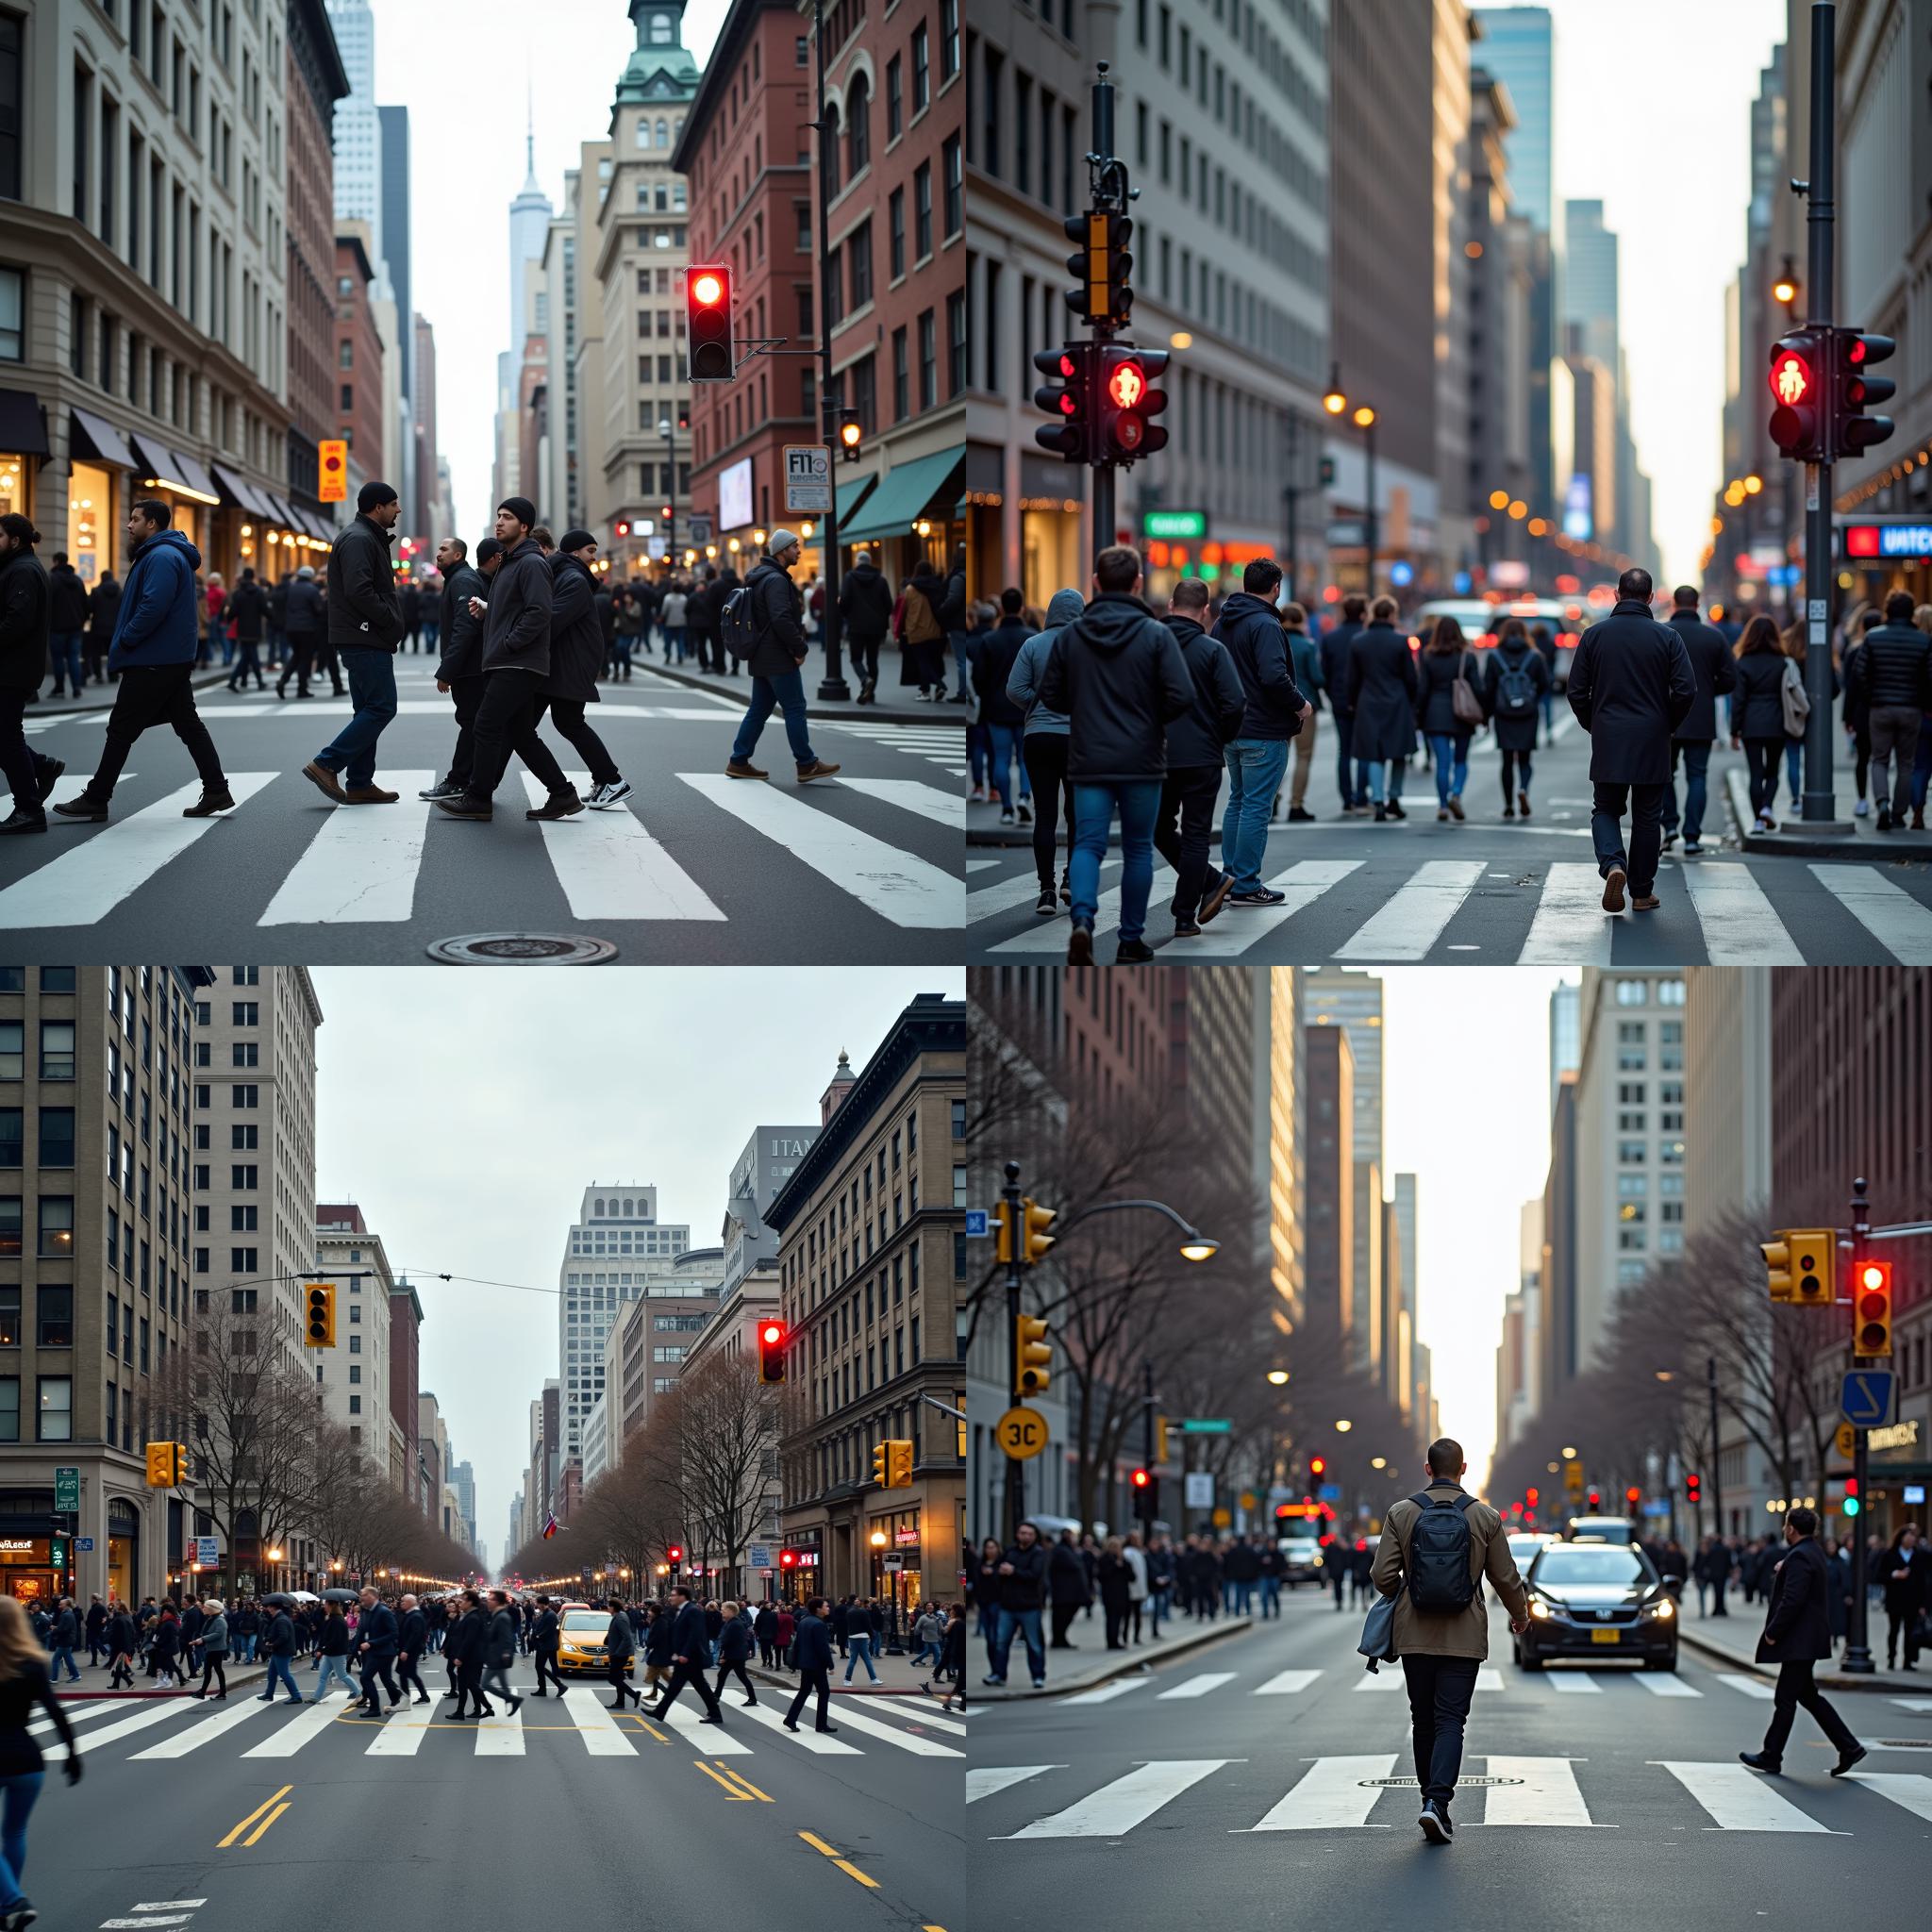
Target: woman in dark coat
[[1115, 1578], [164, 1648], [1857, 716], [1445, 657], [1757, 713], [734, 1647], [102, 609], [576, 656], [1511, 718], [1382, 693]]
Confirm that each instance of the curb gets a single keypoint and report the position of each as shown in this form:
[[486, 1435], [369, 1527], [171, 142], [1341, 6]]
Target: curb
[[1130, 1663], [1799, 841], [869, 714], [1831, 1680]]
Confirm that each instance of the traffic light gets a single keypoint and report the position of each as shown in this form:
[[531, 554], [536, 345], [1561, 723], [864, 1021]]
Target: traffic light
[[1101, 267], [1871, 1309], [707, 323], [623, 529], [771, 1350], [1130, 397], [1146, 1486], [1632, 1497], [1777, 1269], [1318, 1468], [787, 1559], [1159, 1439], [181, 1474], [1034, 1238], [1596, 1501], [1003, 1233], [1852, 1503], [1694, 1489], [1813, 1260], [1065, 397], [851, 434], [674, 1554], [881, 1472], [664, 511], [899, 1464], [1852, 429], [160, 1465], [1529, 1497], [321, 1329], [1032, 1357], [1797, 424]]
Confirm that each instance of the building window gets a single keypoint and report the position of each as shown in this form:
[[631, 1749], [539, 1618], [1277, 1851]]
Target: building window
[[956, 217], [10, 1308], [928, 360], [902, 407], [57, 1049], [922, 212], [55, 1417], [895, 233], [895, 105], [921, 76], [858, 127], [12, 122], [12, 293], [54, 1316], [949, 39], [9, 1397], [56, 1137], [57, 1227], [955, 341]]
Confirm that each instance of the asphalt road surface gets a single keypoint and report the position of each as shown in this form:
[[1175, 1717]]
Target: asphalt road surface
[[691, 868], [228, 1817], [1239, 1785]]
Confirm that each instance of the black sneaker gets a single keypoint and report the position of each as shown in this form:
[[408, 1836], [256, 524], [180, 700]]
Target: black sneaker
[[1133, 953], [1759, 1762], [1187, 928], [210, 803], [82, 807], [1046, 906], [1381, 813], [49, 777], [1260, 895], [1885, 817], [1846, 1759], [1296, 816], [445, 790], [1396, 811], [560, 805], [1080, 943], [1435, 1823]]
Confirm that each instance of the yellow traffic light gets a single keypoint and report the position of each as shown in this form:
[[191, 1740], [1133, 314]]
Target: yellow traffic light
[[1159, 1439], [1003, 1233], [1034, 1221], [1031, 1357], [1777, 1265], [899, 1465], [181, 1474], [319, 1318], [1814, 1259], [160, 1465], [881, 1464]]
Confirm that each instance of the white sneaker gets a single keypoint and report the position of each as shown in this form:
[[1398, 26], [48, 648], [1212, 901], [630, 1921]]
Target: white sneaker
[[1862, 810], [607, 796]]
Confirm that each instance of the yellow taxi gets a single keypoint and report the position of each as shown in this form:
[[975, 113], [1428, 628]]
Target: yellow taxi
[[580, 1643]]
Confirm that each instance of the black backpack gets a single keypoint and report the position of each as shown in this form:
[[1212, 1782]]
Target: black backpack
[[1515, 687], [738, 625], [1439, 1578]]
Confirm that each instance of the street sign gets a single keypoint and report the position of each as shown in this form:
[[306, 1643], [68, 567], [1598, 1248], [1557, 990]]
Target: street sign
[[1223, 1518], [1200, 1488], [1866, 1397], [807, 476], [1022, 1433], [84, 1543], [699, 525], [205, 1551], [1175, 525], [1207, 1426], [1846, 1441], [892, 1563], [1328, 1492], [760, 1556], [976, 1221], [1247, 1499], [332, 471], [67, 1487]]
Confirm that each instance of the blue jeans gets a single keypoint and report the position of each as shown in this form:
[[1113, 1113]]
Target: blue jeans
[[21, 1790], [65, 647], [372, 691], [979, 754], [279, 1671], [1351, 774], [244, 1649], [1005, 739], [1159, 1604], [1388, 777], [1093, 808], [1271, 1597], [1695, 753], [959, 659], [63, 1653], [332, 1667], [1549, 714], [1449, 750], [1795, 762], [784, 693], [1027, 1623], [1254, 766], [861, 1653], [673, 640]]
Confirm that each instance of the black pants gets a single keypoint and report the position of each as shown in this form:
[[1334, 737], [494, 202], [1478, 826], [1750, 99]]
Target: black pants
[[301, 658], [1646, 807], [620, 1682], [811, 1683], [1897, 1624], [1794, 1686], [547, 1667], [1764, 756], [1116, 1618], [1045, 755], [1181, 833], [865, 658], [23, 765], [1515, 780], [691, 1673], [468, 694], [767, 1653], [1717, 1596], [506, 723], [1060, 1620], [738, 1670], [211, 1670], [573, 725], [325, 659], [377, 1671], [470, 1685], [1440, 1689], [408, 1673], [151, 695]]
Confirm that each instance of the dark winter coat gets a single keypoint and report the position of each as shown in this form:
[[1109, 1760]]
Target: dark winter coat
[[1712, 666], [279, 1640], [1631, 687], [247, 605], [469, 1642], [365, 609], [1797, 1623], [688, 1634], [546, 1633], [333, 1638], [1066, 1576], [1758, 708], [22, 622], [1515, 731], [66, 599], [576, 638], [378, 1631], [1025, 1588], [812, 1646], [1381, 693], [459, 633], [922, 661], [1250, 627], [865, 603], [158, 623], [1435, 701], [735, 1640], [516, 625], [102, 606], [993, 666], [776, 614], [412, 1634], [301, 609], [1118, 675], [1215, 718], [1894, 667], [1333, 649]]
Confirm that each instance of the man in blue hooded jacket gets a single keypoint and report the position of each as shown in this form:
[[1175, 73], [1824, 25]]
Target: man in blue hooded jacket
[[156, 635], [1257, 757]]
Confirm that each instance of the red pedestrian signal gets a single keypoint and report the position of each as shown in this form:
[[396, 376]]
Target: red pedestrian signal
[[1871, 1309], [1797, 423], [1130, 398], [787, 1559], [674, 1554], [1595, 1500], [707, 323], [1140, 1478], [1694, 1489], [1633, 1497], [771, 1350], [1065, 397], [1857, 390]]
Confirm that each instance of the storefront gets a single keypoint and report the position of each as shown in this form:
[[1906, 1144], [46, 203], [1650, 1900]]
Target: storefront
[[799, 1577], [99, 466], [123, 1550], [913, 511], [36, 1568], [1898, 1467], [23, 444], [1884, 553], [893, 1541], [186, 488]]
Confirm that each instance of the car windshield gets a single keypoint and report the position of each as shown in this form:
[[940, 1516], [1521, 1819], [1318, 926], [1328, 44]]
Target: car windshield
[[1606, 1566], [586, 1620]]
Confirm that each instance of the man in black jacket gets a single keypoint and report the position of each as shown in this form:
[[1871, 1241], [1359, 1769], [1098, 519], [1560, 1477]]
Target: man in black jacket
[[1194, 747], [776, 663], [245, 608], [66, 620], [516, 660], [459, 671], [377, 1639], [1906, 1572], [30, 774], [1892, 673], [1116, 672], [1716, 672], [620, 1647], [278, 1646], [577, 653], [543, 1642], [302, 619], [1022, 1572], [866, 615], [812, 1646], [1797, 1633], [690, 1650], [1352, 779], [366, 626], [411, 1635], [1274, 711], [1630, 686], [993, 665]]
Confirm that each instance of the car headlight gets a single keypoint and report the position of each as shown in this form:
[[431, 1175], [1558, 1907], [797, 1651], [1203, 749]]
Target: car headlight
[[1662, 1611], [1539, 1610]]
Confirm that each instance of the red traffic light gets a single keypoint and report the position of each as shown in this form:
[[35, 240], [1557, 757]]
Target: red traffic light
[[1318, 1465], [1126, 385], [675, 1553], [1633, 1497], [708, 322], [787, 1559], [772, 1332], [623, 529], [1872, 1309], [706, 287], [1791, 378], [771, 1351], [1140, 1478], [1529, 1497]]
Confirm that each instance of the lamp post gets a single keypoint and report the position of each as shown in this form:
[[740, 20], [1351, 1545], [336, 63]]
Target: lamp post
[[664, 430], [1334, 401]]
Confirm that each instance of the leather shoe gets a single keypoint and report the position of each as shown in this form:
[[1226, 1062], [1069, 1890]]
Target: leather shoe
[[1613, 889], [49, 775], [1846, 1759], [1216, 898], [1759, 1762], [370, 794], [1645, 902], [560, 805], [743, 768], [210, 803], [325, 782], [82, 807], [464, 808], [817, 769]]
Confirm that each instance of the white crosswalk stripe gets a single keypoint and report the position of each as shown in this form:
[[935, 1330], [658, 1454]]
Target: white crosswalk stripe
[[1545, 1792], [1888, 913], [610, 867], [1050, 935], [501, 1734], [1739, 927], [1286, 1683], [1237, 928], [1571, 926], [401, 1736], [1659, 1684], [1573, 1682], [1912, 1790], [596, 1723], [944, 807], [711, 1740], [985, 1781], [1106, 1693], [845, 1717], [1750, 1687], [1128, 1801], [1920, 1704], [361, 863], [804, 1736], [1331, 1795], [1409, 923], [181, 1743], [1738, 1799], [303, 1729], [1198, 1687], [143, 1717]]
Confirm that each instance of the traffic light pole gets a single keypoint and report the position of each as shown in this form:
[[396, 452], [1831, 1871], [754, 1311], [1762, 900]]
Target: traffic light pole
[[1016, 1468], [1717, 1481], [1147, 1444], [832, 685], [1821, 214], [1858, 1656], [1105, 478]]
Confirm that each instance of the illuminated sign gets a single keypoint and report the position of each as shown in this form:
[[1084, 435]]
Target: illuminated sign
[[1175, 525], [1888, 539]]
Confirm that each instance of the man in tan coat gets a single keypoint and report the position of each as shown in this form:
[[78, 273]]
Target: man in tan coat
[[1433, 1563]]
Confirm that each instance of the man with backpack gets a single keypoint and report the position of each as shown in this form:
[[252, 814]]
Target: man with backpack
[[762, 621], [1437, 1546]]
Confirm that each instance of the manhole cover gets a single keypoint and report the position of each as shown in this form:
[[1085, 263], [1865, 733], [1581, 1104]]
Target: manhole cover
[[523, 949], [1415, 1785]]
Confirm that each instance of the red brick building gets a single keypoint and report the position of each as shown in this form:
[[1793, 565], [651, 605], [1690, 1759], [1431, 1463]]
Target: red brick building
[[358, 358], [315, 81], [405, 1375]]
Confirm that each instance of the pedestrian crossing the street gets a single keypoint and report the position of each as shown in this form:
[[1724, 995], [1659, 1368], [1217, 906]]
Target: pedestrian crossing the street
[[1390, 910]]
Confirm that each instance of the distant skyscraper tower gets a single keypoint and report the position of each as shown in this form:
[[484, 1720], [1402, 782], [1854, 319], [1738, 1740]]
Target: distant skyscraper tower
[[530, 216], [1566, 1036], [393, 236], [358, 126]]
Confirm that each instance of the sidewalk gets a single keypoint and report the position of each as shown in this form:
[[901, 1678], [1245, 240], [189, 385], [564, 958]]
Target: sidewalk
[[1797, 839], [1732, 1640], [1081, 1668], [898, 704]]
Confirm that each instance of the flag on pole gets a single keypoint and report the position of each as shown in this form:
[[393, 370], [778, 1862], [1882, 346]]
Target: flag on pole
[[549, 1527]]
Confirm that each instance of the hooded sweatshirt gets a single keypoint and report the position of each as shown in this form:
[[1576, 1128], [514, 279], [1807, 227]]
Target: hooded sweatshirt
[[1118, 674], [1251, 628], [1022, 682], [158, 623]]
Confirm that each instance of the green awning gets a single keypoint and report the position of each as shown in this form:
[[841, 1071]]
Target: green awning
[[904, 494], [851, 495]]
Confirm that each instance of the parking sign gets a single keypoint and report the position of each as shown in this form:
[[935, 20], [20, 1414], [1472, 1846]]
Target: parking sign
[[808, 477]]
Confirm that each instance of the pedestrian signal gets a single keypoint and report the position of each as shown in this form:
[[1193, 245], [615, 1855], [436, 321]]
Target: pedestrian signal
[[1777, 1267], [1595, 1499], [1632, 1497], [1871, 1309], [851, 434], [1529, 1497], [1034, 1238], [771, 1351], [1694, 1489], [787, 1559], [1130, 398], [1797, 424], [1064, 398], [881, 1465], [899, 1464], [1032, 1357], [674, 1554], [320, 1331], [1853, 430], [707, 323], [1851, 1504], [160, 1465]]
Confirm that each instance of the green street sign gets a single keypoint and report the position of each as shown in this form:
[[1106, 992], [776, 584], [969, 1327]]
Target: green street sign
[[1207, 1425], [67, 1488], [1175, 525]]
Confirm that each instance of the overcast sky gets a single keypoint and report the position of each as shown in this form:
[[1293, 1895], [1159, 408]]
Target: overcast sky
[[467, 1111], [1466, 1109]]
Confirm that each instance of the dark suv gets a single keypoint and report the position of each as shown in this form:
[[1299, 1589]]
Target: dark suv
[[1600, 1600]]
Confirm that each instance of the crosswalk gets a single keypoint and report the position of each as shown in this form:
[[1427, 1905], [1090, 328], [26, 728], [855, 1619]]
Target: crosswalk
[[1367, 1791], [168, 1729], [869, 839], [938, 743], [1385, 911]]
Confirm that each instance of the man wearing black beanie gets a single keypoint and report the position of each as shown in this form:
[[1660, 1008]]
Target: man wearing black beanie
[[365, 623], [576, 651]]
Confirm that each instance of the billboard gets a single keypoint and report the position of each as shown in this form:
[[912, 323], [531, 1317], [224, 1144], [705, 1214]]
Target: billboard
[[1577, 518], [733, 496]]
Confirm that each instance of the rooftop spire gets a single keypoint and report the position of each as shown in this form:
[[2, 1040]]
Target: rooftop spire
[[529, 135]]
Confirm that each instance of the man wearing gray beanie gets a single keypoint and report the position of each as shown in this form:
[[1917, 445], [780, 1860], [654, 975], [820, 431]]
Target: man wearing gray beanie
[[768, 607]]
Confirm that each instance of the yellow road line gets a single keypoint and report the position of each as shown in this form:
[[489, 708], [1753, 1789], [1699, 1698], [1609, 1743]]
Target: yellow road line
[[745, 1783], [737, 1797], [223, 1844], [263, 1826], [846, 1865], [644, 1724]]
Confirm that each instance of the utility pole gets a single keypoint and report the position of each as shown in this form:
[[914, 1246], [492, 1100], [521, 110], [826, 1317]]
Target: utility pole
[[1016, 1468], [1821, 214], [1147, 1444], [833, 686], [1717, 1481], [1858, 1656], [1101, 163]]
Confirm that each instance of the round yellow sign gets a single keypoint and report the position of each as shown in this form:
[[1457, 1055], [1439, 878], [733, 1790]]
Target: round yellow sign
[[1022, 1433]]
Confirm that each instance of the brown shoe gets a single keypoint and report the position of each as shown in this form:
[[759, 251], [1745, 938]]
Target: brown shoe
[[324, 782], [1613, 889], [743, 768], [817, 769], [1645, 903], [370, 794], [1216, 899], [1456, 805], [1522, 803]]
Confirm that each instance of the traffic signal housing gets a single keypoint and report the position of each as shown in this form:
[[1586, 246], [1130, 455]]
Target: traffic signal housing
[[1797, 387], [771, 1350], [1694, 1489], [1032, 1357], [1777, 1269], [674, 1554], [1065, 397], [1003, 1233], [319, 1329], [707, 323], [1853, 430], [1813, 1252], [880, 1470], [160, 1465], [1102, 266], [1034, 1238], [899, 1463], [1130, 398], [1871, 1309], [1632, 1497]]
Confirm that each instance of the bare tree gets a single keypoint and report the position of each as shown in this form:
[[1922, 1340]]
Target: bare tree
[[724, 1422]]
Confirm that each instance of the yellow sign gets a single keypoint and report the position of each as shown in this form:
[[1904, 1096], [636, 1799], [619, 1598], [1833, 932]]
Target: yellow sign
[[1573, 1477], [1248, 1499], [1022, 1433], [332, 471], [1847, 1441], [1223, 1518]]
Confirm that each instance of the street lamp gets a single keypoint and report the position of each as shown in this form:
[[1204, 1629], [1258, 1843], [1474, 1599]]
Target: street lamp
[[1342, 1428], [1277, 1377], [1336, 400], [1333, 400]]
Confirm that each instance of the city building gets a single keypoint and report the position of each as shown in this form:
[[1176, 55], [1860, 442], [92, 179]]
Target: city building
[[405, 1381], [1327, 1181], [1452, 273], [93, 1269], [1565, 1034], [1518, 1359], [530, 223], [353, 1377], [1286, 1138], [430, 518], [358, 358], [1559, 1366], [871, 1232], [645, 1349], [558, 493], [768, 1160], [358, 127]]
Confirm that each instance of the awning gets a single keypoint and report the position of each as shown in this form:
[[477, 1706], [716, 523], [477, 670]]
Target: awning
[[172, 470], [278, 511], [94, 436], [23, 427], [850, 496], [196, 477], [903, 494], [242, 491], [319, 526]]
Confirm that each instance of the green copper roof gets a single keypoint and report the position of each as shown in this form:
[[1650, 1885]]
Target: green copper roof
[[658, 69]]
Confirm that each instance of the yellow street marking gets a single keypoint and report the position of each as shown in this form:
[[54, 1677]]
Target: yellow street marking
[[737, 1797], [846, 1865], [745, 1783], [223, 1844], [263, 1826], [652, 1728]]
